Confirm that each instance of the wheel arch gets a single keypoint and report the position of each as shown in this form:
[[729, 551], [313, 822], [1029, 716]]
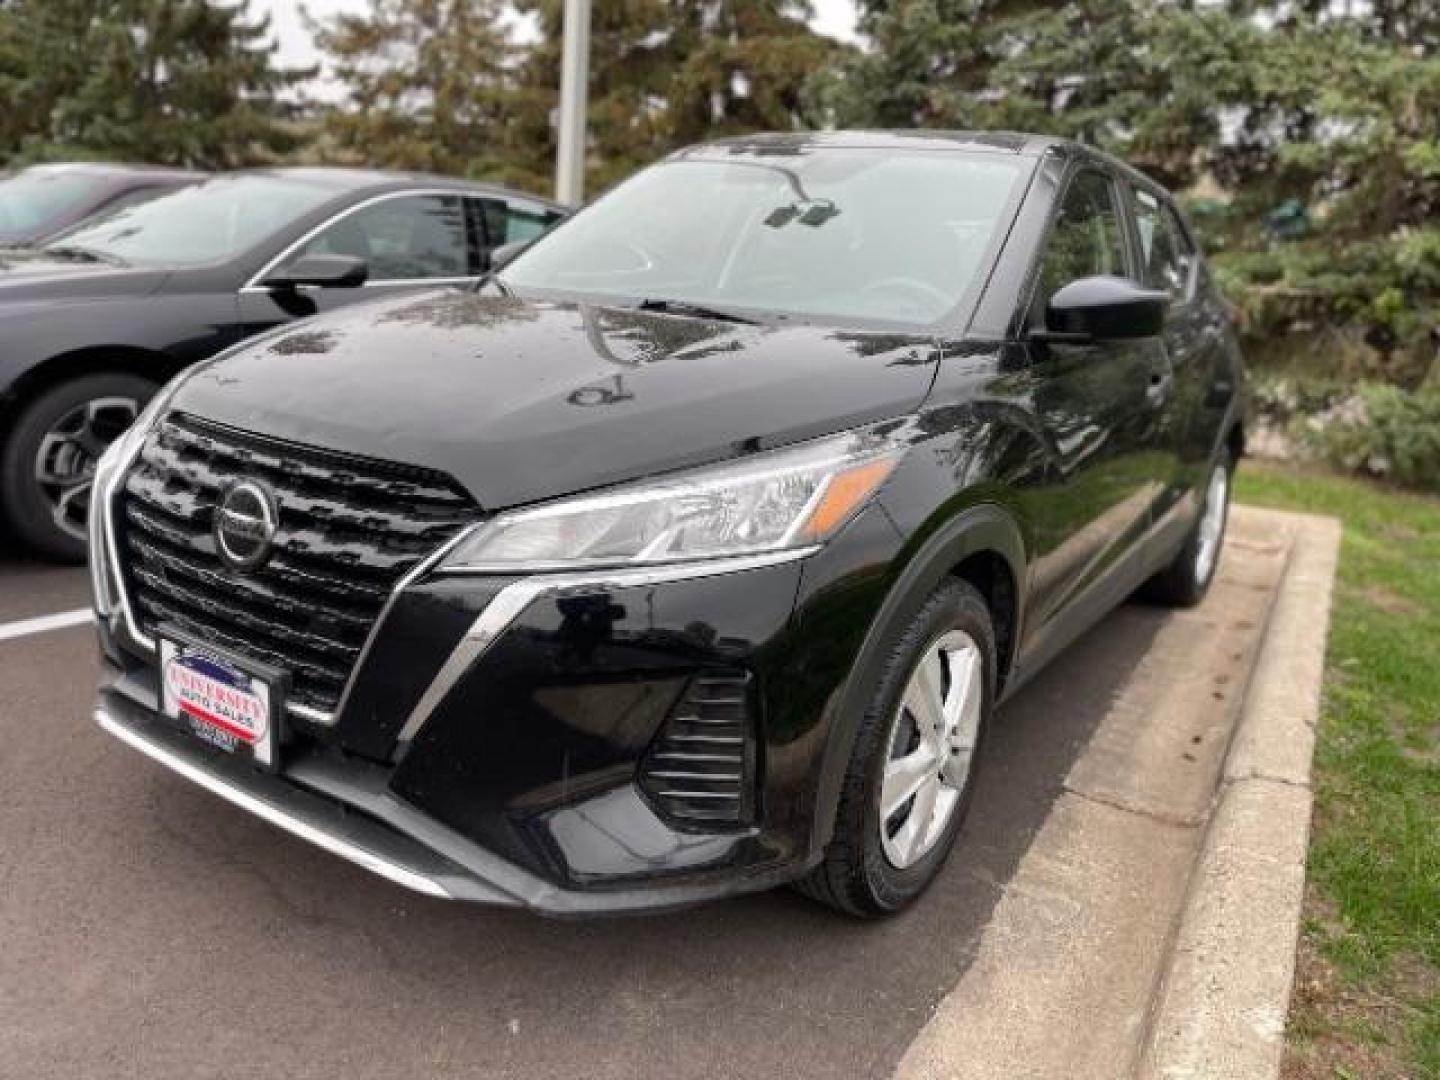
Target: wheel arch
[[90, 360], [995, 578], [982, 545]]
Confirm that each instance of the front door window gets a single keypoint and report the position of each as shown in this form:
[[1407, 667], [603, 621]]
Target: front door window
[[410, 238], [1085, 239]]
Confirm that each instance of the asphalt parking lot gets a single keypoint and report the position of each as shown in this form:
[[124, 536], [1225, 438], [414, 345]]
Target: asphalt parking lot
[[152, 931]]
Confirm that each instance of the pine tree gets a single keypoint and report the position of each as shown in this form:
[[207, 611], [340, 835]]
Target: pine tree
[[1342, 131], [1147, 79], [931, 64], [1318, 119], [13, 72], [746, 64], [666, 73], [632, 57], [426, 85], [187, 82], [1140, 77]]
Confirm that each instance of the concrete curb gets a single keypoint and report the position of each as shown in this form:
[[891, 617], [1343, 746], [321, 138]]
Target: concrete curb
[[1221, 1005]]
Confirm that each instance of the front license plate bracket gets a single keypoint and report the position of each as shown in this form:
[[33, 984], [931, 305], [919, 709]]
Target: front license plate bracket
[[234, 704]]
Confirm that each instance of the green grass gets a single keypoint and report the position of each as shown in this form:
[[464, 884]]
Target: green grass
[[1372, 929]]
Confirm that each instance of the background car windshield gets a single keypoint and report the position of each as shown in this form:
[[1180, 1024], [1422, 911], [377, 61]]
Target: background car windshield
[[210, 222], [36, 197], [858, 233]]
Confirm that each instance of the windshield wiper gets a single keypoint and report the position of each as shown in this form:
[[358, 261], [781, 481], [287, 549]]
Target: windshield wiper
[[493, 278], [84, 254], [699, 311]]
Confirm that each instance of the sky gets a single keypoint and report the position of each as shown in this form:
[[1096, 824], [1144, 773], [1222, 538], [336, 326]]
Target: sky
[[833, 17]]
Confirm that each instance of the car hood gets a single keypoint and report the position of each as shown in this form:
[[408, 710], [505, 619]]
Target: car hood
[[521, 401], [34, 275]]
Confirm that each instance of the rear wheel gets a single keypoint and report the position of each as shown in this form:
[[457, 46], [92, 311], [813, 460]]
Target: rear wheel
[[911, 773], [1185, 581], [48, 462]]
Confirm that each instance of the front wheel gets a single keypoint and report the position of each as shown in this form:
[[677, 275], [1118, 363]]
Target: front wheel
[[911, 773], [1187, 579], [48, 462]]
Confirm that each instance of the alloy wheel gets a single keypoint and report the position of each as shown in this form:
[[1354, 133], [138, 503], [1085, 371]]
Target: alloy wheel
[[1212, 524], [66, 457], [932, 747]]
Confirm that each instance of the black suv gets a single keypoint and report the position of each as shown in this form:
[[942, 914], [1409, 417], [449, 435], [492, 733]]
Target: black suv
[[692, 552], [96, 319]]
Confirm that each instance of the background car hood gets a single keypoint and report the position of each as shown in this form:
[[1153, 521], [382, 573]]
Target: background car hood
[[521, 401], [33, 275]]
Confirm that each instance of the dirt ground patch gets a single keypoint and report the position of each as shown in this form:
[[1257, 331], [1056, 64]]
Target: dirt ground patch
[[1340, 1031], [1390, 602]]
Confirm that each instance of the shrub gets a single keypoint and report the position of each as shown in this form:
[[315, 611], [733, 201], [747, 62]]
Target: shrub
[[1382, 431]]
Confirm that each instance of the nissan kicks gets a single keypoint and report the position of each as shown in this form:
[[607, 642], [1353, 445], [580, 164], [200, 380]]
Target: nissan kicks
[[692, 552]]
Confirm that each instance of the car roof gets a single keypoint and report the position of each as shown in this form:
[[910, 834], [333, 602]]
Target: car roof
[[920, 139], [114, 169], [346, 180], [1018, 143]]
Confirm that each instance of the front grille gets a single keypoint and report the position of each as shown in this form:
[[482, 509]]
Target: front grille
[[700, 767], [349, 529]]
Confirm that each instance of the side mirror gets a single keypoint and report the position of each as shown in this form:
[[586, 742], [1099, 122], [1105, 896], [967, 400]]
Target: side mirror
[[505, 254], [321, 271], [1104, 308]]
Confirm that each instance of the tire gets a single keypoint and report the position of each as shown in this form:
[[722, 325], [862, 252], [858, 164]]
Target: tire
[[860, 874], [63, 431], [1187, 579]]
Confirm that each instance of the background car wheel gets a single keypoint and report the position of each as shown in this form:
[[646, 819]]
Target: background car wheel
[[911, 773], [1185, 581], [47, 463]]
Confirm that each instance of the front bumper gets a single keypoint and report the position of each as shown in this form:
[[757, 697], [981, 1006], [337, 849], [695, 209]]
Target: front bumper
[[351, 814], [513, 774]]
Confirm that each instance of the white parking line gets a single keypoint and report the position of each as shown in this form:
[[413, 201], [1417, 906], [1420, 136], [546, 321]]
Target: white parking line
[[42, 623]]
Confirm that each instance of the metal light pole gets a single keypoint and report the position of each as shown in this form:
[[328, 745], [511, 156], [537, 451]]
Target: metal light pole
[[574, 79]]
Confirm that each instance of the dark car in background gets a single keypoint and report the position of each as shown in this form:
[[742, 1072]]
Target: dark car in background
[[690, 553], [95, 321], [43, 200]]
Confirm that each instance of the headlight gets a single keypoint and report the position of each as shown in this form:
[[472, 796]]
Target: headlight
[[784, 500]]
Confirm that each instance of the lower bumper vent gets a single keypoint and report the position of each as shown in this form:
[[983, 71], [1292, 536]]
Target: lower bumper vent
[[701, 767]]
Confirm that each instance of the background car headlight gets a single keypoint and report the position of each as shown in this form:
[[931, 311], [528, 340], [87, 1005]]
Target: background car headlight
[[790, 499]]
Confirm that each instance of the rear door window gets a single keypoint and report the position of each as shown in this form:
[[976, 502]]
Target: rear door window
[[512, 222], [1167, 256]]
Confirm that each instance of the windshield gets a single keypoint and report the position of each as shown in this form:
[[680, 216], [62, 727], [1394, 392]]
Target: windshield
[[207, 223], [37, 200], [840, 234]]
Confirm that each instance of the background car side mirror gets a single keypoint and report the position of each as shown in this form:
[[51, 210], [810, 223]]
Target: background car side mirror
[[1104, 308], [506, 253], [321, 271]]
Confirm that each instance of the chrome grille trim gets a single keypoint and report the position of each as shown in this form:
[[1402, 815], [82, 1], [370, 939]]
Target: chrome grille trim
[[701, 767], [354, 534]]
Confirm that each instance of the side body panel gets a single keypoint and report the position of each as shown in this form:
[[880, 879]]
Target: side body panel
[[179, 318], [1105, 411]]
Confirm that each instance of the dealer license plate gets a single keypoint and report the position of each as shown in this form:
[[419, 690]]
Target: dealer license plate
[[220, 701]]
